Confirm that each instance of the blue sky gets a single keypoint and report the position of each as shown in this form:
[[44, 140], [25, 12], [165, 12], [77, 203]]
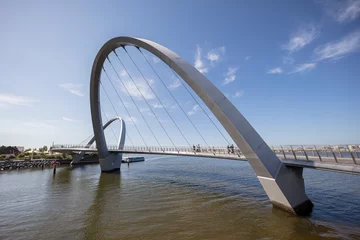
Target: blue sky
[[292, 68]]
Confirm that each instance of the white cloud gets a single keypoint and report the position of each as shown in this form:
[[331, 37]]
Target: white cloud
[[69, 119], [302, 37], [123, 73], [343, 11], [338, 49], [133, 90], [230, 75], [73, 88], [304, 67], [155, 59], [238, 94], [247, 58], [10, 99], [288, 60], [175, 84], [199, 63], [126, 104], [215, 54], [276, 70], [130, 120], [156, 105], [194, 110], [144, 109]]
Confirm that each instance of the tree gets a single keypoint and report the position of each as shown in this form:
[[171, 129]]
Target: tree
[[43, 149]]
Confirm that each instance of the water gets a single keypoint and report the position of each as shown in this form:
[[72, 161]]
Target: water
[[170, 198]]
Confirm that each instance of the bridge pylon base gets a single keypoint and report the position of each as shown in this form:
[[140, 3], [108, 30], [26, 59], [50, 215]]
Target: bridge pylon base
[[287, 191], [111, 163], [76, 158]]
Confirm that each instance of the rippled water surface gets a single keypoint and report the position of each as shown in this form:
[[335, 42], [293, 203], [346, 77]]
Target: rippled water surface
[[170, 198]]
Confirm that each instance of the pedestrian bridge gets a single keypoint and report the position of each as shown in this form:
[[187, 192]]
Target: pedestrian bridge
[[331, 158], [133, 95]]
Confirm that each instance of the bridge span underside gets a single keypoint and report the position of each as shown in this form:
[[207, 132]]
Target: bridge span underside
[[345, 165]]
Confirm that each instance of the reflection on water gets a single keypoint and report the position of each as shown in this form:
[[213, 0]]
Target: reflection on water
[[170, 198]]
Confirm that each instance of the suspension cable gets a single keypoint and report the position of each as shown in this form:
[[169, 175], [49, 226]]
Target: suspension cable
[[122, 104], [127, 136], [173, 97], [200, 106], [163, 106], [134, 101], [86, 139], [107, 119]]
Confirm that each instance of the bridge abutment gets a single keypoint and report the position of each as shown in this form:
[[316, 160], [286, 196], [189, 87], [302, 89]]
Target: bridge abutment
[[287, 191]]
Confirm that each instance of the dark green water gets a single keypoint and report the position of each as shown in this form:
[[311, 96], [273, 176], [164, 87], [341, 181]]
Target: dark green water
[[170, 198]]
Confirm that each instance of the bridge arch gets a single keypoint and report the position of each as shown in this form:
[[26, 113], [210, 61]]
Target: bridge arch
[[122, 133], [284, 186], [77, 157]]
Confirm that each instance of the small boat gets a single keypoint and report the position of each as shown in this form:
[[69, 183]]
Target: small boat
[[132, 159]]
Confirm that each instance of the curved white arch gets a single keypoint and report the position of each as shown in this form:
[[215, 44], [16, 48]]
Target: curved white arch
[[122, 133], [284, 186], [78, 157]]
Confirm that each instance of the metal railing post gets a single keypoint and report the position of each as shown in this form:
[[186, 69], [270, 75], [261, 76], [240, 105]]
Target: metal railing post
[[318, 153], [307, 158], [352, 156], [340, 152], [293, 152], [333, 154], [283, 151]]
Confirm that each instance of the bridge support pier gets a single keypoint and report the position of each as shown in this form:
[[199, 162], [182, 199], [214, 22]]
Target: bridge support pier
[[76, 158], [110, 163], [287, 190]]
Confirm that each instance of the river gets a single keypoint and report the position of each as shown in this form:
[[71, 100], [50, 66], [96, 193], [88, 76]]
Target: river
[[170, 198]]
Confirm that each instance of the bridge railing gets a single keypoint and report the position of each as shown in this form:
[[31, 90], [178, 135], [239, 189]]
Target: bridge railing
[[347, 154]]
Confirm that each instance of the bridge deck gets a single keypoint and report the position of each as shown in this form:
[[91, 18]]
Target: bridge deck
[[341, 164]]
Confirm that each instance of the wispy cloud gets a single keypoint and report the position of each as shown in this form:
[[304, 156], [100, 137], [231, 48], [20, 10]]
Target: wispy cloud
[[203, 64], [247, 58], [199, 62], [303, 67], [277, 70], [67, 119], [73, 88], [175, 84], [133, 90], [288, 60], [194, 110], [343, 11], [10, 99], [301, 37], [215, 55], [130, 120], [157, 105], [338, 49], [144, 109], [238, 94], [155, 59], [123, 73], [230, 75]]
